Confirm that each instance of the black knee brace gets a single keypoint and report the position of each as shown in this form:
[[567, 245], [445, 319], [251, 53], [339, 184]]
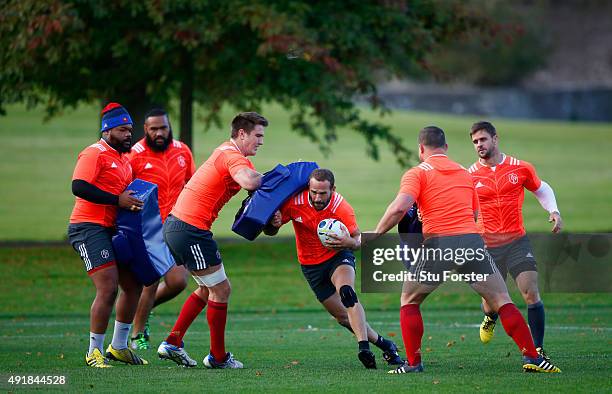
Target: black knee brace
[[348, 296]]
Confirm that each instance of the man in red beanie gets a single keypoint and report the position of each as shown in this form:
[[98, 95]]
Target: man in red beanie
[[101, 175]]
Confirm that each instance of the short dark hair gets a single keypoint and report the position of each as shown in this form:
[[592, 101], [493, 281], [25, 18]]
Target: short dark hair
[[155, 112], [322, 175], [432, 137], [247, 121], [483, 125]]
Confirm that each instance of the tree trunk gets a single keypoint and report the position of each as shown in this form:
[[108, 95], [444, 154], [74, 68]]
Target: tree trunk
[[187, 101], [137, 104]]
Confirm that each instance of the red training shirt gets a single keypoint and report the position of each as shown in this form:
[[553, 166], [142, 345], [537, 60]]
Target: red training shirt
[[169, 170]]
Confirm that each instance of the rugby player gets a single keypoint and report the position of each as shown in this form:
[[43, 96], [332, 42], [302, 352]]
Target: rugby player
[[101, 175], [329, 268], [500, 181], [187, 233], [159, 158], [448, 204]]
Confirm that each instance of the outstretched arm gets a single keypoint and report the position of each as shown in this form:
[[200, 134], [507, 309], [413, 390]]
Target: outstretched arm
[[546, 198], [395, 212]]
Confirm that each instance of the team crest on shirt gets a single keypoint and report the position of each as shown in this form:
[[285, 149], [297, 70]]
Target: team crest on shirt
[[513, 178], [181, 161], [104, 253]]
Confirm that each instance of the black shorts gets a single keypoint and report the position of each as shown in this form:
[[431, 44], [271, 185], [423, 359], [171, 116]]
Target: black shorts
[[319, 276], [93, 242], [443, 255], [194, 248], [515, 257]]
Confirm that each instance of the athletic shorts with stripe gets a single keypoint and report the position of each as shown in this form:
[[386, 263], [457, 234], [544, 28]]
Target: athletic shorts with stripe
[[93, 243], [319, 276], [194, 248], [515, 257], [477, 262]]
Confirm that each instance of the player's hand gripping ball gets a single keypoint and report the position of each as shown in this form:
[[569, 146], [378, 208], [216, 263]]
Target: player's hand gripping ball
[[331, 226]]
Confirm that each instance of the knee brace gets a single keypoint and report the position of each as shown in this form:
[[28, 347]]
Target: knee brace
[[211, 280], [348, 296]]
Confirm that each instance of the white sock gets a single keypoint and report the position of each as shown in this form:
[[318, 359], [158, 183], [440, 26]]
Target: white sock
[[120, 335], [96, 341]]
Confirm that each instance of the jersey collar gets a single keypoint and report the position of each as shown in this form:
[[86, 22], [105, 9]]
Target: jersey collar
[[236, 146], [500, 163], [107, 146], [436, 155]]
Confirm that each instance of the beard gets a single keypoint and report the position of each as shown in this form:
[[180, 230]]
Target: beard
[[158, 147], [319, 206], [485, 154], [119, 146], [123, 149]]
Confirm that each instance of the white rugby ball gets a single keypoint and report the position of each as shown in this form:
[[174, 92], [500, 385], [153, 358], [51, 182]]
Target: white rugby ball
[[331, 226]]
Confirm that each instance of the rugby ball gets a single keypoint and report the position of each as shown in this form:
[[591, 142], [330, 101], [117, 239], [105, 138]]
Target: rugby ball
[[331, 226]]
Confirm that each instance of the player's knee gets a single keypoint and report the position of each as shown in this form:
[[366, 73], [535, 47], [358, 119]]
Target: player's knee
[[179, 284], [348, 297], [216, 282], [107, 294], [531, 296], [201, 292], [221, 292]]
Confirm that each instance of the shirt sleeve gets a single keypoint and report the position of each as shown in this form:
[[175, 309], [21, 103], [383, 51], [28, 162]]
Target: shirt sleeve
[[347, 216], [532, 181], [411, 183], [87, 167], [236, 162], [285, 211]]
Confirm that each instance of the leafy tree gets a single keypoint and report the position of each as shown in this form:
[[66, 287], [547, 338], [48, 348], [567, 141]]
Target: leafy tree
[[314, 58]]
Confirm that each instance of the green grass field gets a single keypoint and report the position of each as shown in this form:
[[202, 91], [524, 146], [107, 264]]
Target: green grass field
[[286, 341], [38, 160]]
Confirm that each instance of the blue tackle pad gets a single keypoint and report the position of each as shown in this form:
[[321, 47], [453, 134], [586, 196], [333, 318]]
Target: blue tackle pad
[[139, 242], [277, 186]]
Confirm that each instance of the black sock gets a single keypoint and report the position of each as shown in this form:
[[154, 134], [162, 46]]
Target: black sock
[[535, 316], [383, 344], [364, 345]]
